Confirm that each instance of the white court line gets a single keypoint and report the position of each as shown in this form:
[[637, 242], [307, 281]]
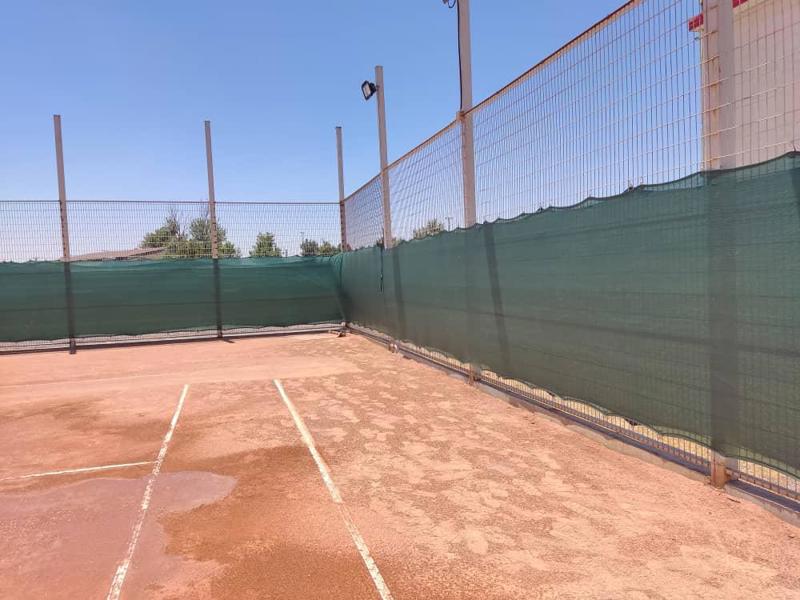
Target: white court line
[[80, 470], [377, 579], [122, 568]]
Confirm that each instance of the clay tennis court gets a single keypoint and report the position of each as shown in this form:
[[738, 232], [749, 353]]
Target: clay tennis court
[[322, 467]]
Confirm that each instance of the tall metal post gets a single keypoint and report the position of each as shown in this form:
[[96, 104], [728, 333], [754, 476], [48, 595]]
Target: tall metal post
[[212, 217], [212, 202], [464, 116], [65, 251], [340, 161], [718, 93], [387, 209], [62, 188], [720, 99], [727, 68]]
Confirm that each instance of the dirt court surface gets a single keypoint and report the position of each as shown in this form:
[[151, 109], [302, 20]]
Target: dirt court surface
[[453, 493]]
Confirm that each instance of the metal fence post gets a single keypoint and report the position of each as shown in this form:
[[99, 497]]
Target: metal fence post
[[212, 202], [719, 135], [464, 116], [340, 161], [212, 217], [66, 257], [387, 209], [720, 153], [467, 168]]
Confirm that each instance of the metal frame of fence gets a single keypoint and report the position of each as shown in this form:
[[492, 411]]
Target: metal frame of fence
[[656, 91], [691, 455], [78, 230]]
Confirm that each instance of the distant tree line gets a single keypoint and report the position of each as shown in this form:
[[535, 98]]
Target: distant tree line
[[192, 243], [195, 241], [432, 227]]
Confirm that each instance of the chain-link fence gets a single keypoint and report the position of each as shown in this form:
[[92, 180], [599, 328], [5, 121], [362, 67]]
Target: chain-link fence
[[145, 270], [128, 230], [658, 92]]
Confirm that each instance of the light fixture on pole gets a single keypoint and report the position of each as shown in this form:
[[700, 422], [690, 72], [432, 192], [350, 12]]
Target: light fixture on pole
[[368, 89]]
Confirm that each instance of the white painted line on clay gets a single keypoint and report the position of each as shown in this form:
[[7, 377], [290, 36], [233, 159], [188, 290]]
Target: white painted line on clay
[[79, 470], [122, 568], [361, 545]]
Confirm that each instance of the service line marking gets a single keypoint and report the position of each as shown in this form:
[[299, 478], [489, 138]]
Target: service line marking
[[122, 568], [79, 470], [377, 579]]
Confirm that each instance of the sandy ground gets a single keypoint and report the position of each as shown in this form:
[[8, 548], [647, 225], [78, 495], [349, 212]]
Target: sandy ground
[[457, 494]]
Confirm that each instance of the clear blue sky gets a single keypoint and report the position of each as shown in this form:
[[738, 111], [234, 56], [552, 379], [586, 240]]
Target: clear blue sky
[[135, 80]]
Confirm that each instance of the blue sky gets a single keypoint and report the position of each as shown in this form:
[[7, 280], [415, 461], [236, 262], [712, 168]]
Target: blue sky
[[134, 82]]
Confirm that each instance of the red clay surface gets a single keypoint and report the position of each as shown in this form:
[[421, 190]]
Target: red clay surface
[[456, 494]]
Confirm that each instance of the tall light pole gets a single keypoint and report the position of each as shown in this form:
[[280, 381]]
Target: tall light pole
[[464, 116], [369, 89]]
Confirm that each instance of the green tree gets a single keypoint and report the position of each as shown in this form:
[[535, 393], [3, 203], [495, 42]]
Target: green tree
[[197, 244], [314, 248], [265, 246], [432, 227], [309, 248], [328, 249], [170, 232], [395, 241]]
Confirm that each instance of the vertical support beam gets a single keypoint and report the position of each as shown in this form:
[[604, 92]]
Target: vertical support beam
[[212, 201], [727, 74], [719, 103], [66, 257], [468, 168], [340, 162], [718, 74], [719, 470], [212, 217], [387, 208], [464, 116], [62, 188]]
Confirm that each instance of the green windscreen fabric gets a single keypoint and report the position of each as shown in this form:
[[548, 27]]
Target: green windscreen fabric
[[144, 297], [674, 305], [677, 305]]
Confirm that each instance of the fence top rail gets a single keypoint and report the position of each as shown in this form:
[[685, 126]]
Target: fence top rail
[[515, 82], [118, 201], [551, 57], [363, 187], [413, 150]]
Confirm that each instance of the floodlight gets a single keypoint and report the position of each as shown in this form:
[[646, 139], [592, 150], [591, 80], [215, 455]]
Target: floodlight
[[368, 89]]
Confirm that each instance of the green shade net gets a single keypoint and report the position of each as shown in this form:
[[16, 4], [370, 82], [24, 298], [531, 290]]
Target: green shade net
[[676, 305], [143, 297]]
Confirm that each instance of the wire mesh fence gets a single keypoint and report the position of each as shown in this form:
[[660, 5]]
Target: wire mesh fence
[[616, 108], [136, 230], [657, 93], [642, 97], [426, 187], [363, 215], [143, 270]]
